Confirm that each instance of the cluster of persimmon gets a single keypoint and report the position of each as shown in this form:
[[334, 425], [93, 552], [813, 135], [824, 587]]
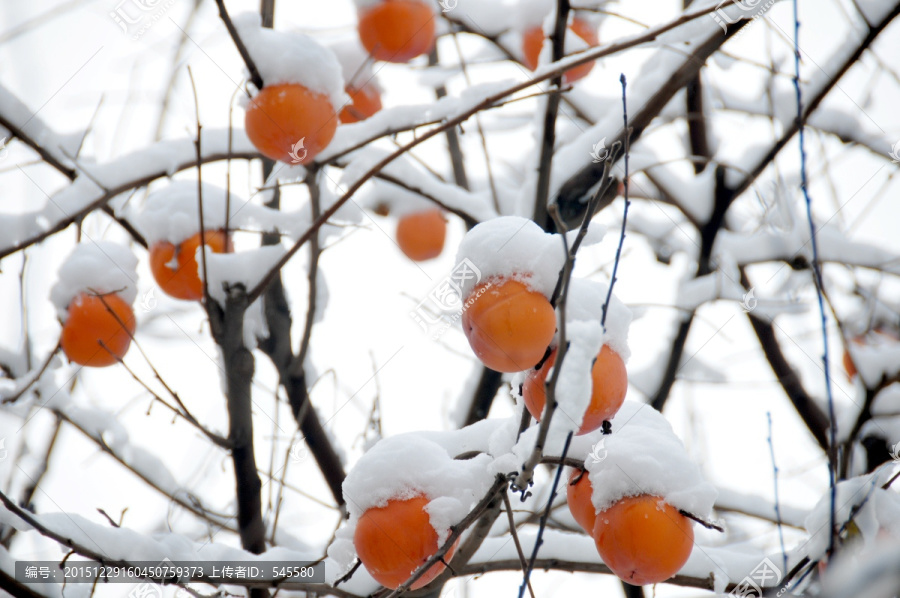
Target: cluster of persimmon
[[280, 115], [98, 328], [533, 41], [510, 328], [642, 539]]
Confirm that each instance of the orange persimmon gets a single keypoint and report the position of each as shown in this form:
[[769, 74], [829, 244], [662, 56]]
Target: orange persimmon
[[364, 102], [643, 539], [508, 325], [533, 42], [175, 267], [421, 235], [609, 384], [578, 497], [93, 320], [394, 540], [397, 30], [289, 122]]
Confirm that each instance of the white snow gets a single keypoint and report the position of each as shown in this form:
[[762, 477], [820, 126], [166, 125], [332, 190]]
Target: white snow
[[355, 63], [408, 465], [418, 185], [98, 267], [644, 456], [585, 303], [875, 360], [862, 497], [172, 213], [513, 247], [292, 58], [246, 268]]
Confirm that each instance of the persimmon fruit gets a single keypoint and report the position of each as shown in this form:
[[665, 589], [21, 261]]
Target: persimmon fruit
[[508, 325], [98, 330], [282, 116], [397, 30], [394, 540], [175, 266], [533, 43], [609, 385], [421, 235], [578, 497], [365, 101], [643, 539]]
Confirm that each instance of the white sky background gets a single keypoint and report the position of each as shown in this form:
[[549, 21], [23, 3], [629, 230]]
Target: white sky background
[[73, 58]]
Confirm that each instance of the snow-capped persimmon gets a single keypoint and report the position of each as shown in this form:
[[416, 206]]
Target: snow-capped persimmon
[[509, 326], [290, 122], [609, 385], [533, 43], [365, 101], [175, 266], [98, 330], [394, 540], [421, 235], [578, 497], [643, 539], [397, 30]]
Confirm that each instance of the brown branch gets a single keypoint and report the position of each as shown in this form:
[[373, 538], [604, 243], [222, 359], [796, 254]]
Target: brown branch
[[214, 519], [548, 138], [812, 100], [45, 155], [457, 161], [488, 384], [488, 102], [809, 411], [292, 377], [107, 194], [573, 190], [255, 77], [227, 327]]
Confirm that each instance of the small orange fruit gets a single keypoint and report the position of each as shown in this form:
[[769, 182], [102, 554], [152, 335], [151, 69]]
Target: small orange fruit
[[364, 102], [609, 386], [175, 267], [394, 540], [643, 539], [508, 325], [533, 42], [421, 235], [93, 320], [578, 496], [397, 30], [282, 116]]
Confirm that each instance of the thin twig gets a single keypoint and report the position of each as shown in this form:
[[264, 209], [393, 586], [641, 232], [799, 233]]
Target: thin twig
[[543, 524], [819, 282], [612, 280], [775, 482], [515, 536]]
